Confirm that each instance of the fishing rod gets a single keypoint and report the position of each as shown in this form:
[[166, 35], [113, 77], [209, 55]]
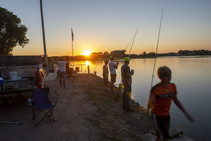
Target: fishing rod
[[161, 18], [133, 41], [120, 87], [129, 43]]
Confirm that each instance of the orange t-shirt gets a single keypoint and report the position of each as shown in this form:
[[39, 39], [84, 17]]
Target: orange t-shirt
[[163, 98]]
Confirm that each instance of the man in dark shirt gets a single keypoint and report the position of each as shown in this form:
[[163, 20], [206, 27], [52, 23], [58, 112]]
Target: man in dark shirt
[[127, 82]]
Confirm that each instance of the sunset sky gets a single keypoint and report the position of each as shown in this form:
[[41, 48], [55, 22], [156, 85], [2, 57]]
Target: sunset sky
[[106, 25]]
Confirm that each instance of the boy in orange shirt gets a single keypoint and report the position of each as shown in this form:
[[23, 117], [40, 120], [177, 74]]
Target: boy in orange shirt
[[161, 96]]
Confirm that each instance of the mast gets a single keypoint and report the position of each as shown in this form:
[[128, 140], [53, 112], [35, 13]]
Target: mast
[[43, 33]]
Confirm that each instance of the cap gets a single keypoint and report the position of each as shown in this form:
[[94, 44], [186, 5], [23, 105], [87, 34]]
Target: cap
[[111, 57], [127, 59]]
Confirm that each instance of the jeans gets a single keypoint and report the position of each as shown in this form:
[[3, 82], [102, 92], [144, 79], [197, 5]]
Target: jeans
[[62, 77]]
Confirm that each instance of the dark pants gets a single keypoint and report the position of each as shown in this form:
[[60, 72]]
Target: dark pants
[[162, 123], [113, 80], [126, 98], [105, 78]]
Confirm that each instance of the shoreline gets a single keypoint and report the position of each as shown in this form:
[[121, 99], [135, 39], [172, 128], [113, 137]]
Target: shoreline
[[85, 111]]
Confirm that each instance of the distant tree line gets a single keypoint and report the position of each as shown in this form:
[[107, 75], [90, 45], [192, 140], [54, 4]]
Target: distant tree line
[[194, 52], [119, 54]]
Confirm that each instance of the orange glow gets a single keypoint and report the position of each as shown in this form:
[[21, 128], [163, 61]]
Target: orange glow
[[87, 52]]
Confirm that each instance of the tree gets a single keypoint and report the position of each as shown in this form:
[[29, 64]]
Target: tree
[[12, 32]]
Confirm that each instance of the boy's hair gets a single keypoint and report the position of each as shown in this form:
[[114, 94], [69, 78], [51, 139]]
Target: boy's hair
[[163, 72]]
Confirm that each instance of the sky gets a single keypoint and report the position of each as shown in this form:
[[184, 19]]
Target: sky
[[107, 25]]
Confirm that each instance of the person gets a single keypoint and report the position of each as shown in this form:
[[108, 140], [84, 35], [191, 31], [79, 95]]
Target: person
[[105, 74], [161, 96], [62, 72], [40, 76], [127, 83], [112, 66]]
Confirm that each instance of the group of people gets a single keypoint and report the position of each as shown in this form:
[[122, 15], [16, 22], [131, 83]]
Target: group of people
[[126, 75], [160, 98]]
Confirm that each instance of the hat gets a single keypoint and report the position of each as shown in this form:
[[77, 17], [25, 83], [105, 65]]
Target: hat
[[127, 59], [111, 57]]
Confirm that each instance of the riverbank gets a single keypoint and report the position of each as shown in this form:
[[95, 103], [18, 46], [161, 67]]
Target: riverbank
[[85, 111]]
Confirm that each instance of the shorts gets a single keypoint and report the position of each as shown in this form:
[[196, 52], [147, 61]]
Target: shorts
[[162, 124], [113, 78]]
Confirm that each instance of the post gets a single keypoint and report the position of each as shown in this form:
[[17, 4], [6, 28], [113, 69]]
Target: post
[[72, 46], [43, 33]]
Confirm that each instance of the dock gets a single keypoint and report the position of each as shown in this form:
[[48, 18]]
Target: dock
[[85, 111]]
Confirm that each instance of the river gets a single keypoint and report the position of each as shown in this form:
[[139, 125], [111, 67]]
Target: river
[[192, 76]]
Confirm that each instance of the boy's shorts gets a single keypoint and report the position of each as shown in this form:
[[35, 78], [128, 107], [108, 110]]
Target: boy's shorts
[[162, 124], [113, 78]]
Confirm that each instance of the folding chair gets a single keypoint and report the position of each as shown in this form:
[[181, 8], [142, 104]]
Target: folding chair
[[42, 106]]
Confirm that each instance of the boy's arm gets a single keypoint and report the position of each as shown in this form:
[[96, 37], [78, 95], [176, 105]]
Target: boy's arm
[[150, 102], [179, 105], [151, 99]]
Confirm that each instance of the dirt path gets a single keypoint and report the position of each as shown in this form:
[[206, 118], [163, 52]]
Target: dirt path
[[85, 111]]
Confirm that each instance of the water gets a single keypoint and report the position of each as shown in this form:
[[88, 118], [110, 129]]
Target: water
[[192, 78]]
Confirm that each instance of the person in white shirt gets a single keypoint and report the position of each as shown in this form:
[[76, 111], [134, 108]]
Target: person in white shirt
[[112, 66], [62, 72]]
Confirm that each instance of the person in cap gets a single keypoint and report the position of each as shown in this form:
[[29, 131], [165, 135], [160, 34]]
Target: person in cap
[[127, 82], [112, 66], [105, 74]]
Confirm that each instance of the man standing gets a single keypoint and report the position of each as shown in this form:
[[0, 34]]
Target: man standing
[[127, 82], [105, 74], [62, 72], [112, 66]]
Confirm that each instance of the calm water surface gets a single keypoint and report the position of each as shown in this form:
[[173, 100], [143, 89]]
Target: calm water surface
[[192, 75]]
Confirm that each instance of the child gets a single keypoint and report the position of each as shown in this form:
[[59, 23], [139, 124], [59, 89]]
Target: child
[[105, 74], [160, 99]]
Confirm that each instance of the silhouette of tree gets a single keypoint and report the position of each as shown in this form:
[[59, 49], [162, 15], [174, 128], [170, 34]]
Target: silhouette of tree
[[12, 32]]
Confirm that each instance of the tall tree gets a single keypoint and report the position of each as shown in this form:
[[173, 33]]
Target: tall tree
[[12, 32]]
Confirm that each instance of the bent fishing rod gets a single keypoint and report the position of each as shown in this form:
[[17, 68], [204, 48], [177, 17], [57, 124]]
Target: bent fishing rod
[[121, 85], [161, 18], [132, 40]]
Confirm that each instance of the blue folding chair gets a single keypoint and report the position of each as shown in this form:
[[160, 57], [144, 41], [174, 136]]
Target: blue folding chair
[[42, 107]]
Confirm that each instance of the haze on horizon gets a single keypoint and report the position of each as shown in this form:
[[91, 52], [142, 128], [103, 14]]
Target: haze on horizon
[[108, 25]]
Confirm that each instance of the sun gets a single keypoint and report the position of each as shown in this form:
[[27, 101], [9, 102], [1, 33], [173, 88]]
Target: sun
[[87, 52]]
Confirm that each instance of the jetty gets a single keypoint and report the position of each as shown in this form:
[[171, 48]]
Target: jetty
[[85, 111]]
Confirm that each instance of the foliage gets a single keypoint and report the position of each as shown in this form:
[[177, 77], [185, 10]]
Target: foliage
[[12, 32]]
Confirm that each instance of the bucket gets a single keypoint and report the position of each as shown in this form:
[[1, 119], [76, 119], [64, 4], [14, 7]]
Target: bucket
[[1, 81], [13, 75]]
